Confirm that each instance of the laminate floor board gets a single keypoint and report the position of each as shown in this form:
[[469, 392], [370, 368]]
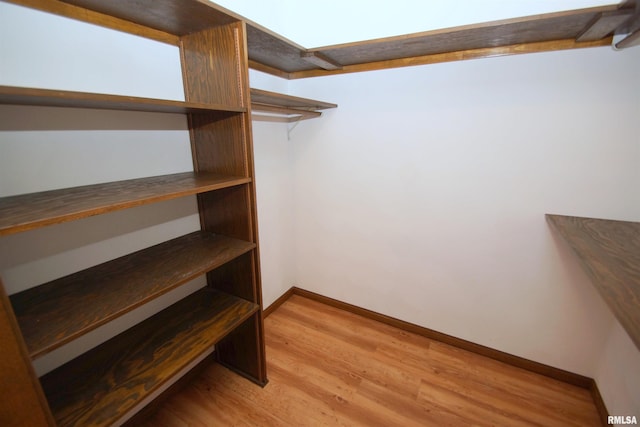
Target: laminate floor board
[[329, 367]]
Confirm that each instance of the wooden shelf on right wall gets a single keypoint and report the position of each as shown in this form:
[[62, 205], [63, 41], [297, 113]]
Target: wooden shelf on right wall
[[277, 107], [609, 251]]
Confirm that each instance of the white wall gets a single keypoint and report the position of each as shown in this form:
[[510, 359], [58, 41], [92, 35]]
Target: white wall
[[423, 197], [274, 187], [617, 373]]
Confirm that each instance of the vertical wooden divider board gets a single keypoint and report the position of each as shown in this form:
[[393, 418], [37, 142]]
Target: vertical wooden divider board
[[215, 70], [19, 388]]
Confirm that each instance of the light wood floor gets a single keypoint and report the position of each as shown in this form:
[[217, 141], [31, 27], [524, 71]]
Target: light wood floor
[[329, 367]]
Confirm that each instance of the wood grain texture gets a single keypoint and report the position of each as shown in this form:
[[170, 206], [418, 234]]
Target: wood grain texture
[[178, 17], [23, 402], [331, 367], [283, 110], [450, 44], [320, 60], [275, 52], [215, 70], [482, 351], [281, 114], [254, 65], [218, 144], [60, 311], [236, 277], [266, 97], [279, 301], [141, 416], [34, 210], [288, 108], [99, 387], [278, 118], [12, 95], [59, 98], [609, 252], [211, 66], [228, 212], [241, 351], [463, 55], [500, 356], [553, 26]]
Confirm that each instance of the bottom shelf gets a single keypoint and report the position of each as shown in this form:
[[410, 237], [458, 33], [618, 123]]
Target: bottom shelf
[[102, 385]]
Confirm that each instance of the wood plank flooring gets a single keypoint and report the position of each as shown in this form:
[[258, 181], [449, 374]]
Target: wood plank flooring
[[328, 367]]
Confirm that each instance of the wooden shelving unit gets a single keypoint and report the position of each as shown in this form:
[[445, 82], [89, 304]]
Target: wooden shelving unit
[[285, 108], [103, 385], [609, 252]]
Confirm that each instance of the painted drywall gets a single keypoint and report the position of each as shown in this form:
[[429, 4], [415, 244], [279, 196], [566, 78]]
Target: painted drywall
[[55, 52], [617, 374], [274, 189], [273, 154], [423, 197]]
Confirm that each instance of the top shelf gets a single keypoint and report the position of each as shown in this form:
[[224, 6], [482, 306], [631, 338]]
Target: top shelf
[[271, 53], [609, 252], [176, 17], [62, 98]]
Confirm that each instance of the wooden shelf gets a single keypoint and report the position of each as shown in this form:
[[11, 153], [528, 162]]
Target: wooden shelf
[[100, 386], [609, 251], [61, 98], [271, 53], [285, 108], [264, 97], [60, 311], [34, 210], [176, 17]]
